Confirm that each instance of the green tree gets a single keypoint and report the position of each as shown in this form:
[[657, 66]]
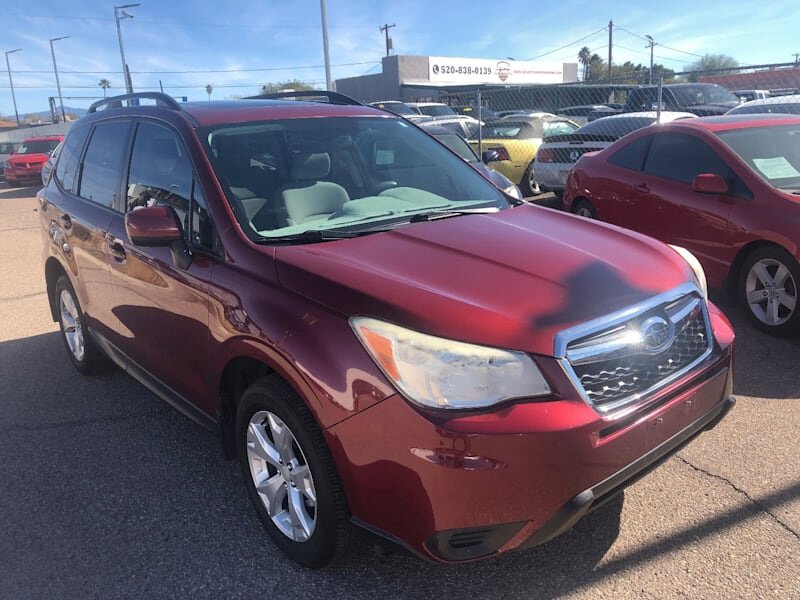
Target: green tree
[[584, 56], [292, 84], [105, 84], [596, 68], [712, 62]]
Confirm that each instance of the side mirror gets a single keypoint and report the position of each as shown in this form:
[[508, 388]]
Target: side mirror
[[709, 183], [158, 226], [490, 156]]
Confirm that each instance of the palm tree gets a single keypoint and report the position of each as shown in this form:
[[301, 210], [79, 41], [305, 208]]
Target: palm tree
[[584, 56], [209, 89], [105, 84]]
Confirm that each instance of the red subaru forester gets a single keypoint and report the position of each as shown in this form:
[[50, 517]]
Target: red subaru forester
[[381, 336]]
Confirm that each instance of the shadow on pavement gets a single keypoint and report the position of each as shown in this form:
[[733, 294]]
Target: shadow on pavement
[[7, 192]]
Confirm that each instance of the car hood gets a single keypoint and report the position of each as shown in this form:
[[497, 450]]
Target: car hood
[[511, 279], [16, 159]]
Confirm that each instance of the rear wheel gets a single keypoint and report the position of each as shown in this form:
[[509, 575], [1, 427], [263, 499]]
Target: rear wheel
[[768, 288], [290, 475], [583, 208], [529, 185], [84, 354]]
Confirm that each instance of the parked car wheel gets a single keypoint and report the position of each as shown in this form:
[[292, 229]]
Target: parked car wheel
[[583, 208], [81, 349], [290, 474], [768, 288], [529, 185]]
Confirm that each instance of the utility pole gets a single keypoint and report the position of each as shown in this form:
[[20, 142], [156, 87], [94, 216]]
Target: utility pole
[[651, 44], [323, 10], [119, 14], [610, 37], [796, 57], [11, 83], [385, 29], [55, 70]]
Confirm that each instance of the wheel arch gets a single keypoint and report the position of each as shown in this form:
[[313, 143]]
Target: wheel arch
[[53, 269]]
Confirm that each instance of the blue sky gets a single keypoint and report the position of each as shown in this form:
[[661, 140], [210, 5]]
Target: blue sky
[[238, 45]]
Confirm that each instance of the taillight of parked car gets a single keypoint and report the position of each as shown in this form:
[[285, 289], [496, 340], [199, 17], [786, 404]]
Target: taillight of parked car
[[545, 155], [502, 153]]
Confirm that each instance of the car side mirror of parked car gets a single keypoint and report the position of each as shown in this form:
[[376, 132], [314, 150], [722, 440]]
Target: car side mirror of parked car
[[490, 156], [158, 226], [709, 183]]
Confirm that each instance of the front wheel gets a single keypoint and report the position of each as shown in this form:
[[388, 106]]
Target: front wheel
[[583, 208], [290, 475], [768, 288]]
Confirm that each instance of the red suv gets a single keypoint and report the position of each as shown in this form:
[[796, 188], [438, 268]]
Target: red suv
[[381, 336], [25, 165]]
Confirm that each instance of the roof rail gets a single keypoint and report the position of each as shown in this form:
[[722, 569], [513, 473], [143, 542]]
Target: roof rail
[[160, 98], [310, 96]]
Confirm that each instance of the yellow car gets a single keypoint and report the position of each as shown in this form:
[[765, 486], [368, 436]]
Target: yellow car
[[509, 145]]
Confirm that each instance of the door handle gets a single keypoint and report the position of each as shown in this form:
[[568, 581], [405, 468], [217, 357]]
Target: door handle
[[117, 250], [66, 221]]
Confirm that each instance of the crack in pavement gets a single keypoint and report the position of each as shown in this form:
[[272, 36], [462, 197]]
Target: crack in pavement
[[23, 297], [742, 492], [84, 422]]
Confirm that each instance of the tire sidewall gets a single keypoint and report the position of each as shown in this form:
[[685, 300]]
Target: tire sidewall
[[321, 547], [584, 204], [791, 326]]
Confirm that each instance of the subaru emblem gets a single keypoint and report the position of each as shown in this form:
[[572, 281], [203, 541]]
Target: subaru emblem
[[656, 334]]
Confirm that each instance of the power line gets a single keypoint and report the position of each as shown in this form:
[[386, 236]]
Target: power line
[[642, 37], [586, 37]]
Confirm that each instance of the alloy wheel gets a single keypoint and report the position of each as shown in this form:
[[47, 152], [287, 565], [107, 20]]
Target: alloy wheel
[[771, 292], [281, 476], [71, 324]]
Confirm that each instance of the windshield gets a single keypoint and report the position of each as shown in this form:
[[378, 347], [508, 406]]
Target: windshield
[[693, 95], [37, 147], [510, 130], [558, 127], [349, 174], [437, 110], [772, 152], [618, 126]]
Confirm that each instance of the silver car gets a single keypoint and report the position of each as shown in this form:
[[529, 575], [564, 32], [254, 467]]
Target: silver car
[[558, 153], [6, 150]]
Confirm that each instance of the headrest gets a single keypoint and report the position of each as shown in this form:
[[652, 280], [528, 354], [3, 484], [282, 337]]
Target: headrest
[[310, 166]]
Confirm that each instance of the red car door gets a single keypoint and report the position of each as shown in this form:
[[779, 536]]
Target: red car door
[[162, 307], [697, 221]]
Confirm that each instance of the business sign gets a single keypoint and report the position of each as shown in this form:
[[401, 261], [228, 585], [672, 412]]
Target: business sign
[[489, 71]]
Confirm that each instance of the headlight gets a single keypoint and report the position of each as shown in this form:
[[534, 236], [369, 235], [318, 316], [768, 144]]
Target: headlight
[[440, 373], [697, 268], [513, 191]]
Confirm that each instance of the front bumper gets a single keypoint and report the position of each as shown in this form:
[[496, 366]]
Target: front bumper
[[481, 484], [14, 174]]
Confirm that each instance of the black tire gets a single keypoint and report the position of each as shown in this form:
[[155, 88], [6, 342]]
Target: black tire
[[271, 397], [771, 305], [529, 186], [584, 208], [81, 349]]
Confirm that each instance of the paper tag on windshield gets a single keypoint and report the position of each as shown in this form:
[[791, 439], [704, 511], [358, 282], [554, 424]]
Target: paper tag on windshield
[[776, 168]]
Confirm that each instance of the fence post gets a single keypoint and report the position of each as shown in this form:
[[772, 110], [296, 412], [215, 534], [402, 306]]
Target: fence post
[[480, 126]]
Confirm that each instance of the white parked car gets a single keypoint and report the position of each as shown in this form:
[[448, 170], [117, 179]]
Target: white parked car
[[559, 152], [776, 104]]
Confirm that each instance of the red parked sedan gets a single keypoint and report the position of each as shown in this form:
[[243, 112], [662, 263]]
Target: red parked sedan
[[25, 165], [726, 188]]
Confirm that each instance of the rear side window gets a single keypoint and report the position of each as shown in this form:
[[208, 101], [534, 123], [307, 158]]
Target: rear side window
[[70, 156], [632, 155], [681, 157], [103, 163]]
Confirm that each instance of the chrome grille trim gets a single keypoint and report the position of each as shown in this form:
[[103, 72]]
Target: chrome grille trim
[[610, 339]]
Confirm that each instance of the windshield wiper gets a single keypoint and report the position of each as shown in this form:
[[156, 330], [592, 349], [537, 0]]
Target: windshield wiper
[[450, 212], [311, 236]]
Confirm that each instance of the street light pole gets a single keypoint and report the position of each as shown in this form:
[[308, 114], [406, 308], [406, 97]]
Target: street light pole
[[11, 84], [55, 69], [324, 14], [651, 44], [119, 14]]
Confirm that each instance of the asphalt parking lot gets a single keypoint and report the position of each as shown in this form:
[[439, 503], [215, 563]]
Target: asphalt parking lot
[[107, 492]]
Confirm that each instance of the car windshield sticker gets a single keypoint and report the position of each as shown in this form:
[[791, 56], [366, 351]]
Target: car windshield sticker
[[384, 157], [776, 168]]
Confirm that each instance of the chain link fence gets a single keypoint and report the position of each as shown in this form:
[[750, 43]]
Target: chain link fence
[[533, 134]]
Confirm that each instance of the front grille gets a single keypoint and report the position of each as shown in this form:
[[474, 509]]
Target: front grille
[[622, 363]]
